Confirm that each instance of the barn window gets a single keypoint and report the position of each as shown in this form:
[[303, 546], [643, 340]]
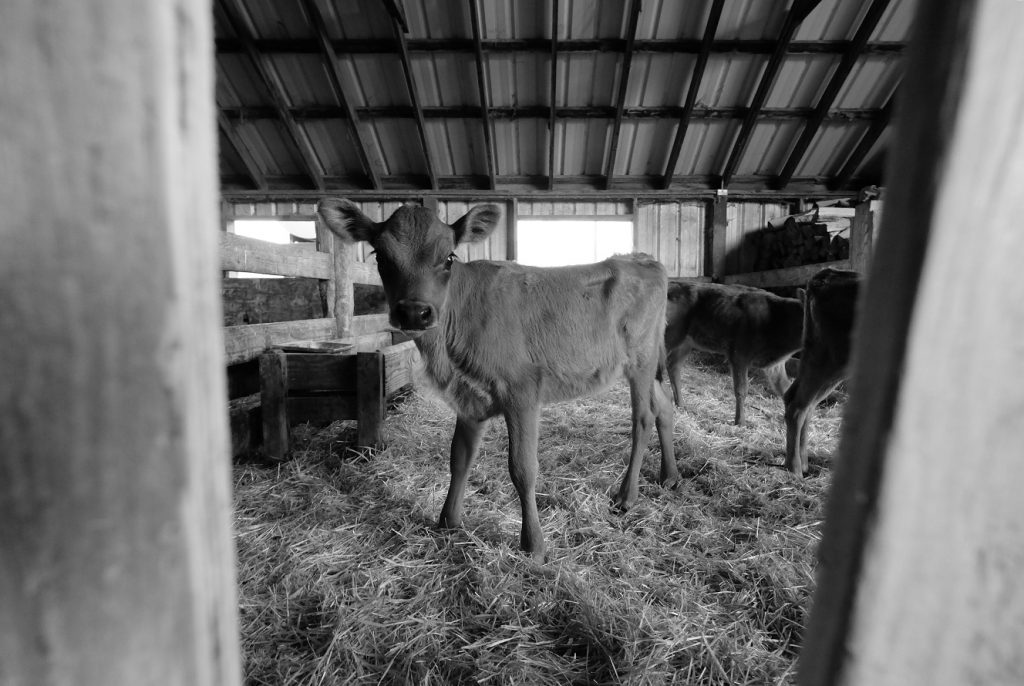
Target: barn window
[[274, 231], [559, 241]]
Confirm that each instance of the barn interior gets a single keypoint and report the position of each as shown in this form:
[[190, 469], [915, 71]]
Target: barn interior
[[217, 463]]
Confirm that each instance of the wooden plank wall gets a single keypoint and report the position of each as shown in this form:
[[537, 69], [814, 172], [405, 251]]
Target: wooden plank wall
[[673, 232], [116, 553]]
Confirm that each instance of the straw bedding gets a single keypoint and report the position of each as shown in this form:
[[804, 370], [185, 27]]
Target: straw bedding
[[344, 578]]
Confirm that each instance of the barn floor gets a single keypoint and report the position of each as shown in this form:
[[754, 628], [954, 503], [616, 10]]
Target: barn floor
[[344, 579]]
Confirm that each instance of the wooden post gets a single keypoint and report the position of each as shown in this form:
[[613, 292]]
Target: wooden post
[[341, 292], [714, 237], [370, 398], [274, 403], [923, 545], [861, 236], [116, 556]]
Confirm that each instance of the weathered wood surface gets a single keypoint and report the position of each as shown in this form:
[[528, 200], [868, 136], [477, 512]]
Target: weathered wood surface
[[790, 276], [263, 301], [273, 397], [116, 555], [399, 366], [370, 398], [244, 343], [923, 546], [244, 254]]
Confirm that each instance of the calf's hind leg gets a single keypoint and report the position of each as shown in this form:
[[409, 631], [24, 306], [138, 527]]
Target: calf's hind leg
[[650, 408]]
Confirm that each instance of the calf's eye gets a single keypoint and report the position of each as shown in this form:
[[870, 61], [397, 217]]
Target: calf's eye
[[449, 261]]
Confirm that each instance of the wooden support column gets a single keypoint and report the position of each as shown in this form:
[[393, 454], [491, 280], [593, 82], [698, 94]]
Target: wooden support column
[[714, 236], [116, 554], [338, 291], [921, 557], [370, 398], [861, 230], [274, 403]]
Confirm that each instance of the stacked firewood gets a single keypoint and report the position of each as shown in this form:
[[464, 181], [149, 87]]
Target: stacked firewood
[[796, 243]]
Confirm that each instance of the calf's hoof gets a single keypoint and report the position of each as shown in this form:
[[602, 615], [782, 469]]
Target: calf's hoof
[[670, 482]]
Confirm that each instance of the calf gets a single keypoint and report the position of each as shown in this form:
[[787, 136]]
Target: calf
[[750, 326], [829, 312], [499, 338]]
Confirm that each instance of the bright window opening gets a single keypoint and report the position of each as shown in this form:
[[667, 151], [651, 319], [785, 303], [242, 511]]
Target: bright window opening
[[274, 231], [560, 242]]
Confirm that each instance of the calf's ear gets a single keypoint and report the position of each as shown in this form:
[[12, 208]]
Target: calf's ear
[[346, 220], [477, 224]]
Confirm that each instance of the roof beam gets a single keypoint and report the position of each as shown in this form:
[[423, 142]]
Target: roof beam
[[867, 142], [691, 94], [248, 161], [265, 70], [835, 84], [316, 20], [484, 89], [400, 27], [543, 45], [620, 104], [553, 94], [797, 13]]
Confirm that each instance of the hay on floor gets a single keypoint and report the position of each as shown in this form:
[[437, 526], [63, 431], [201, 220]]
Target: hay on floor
[[345, 579]]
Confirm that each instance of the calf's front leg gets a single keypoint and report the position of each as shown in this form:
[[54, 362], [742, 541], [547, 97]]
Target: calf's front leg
[[522, 425], [465, 446]]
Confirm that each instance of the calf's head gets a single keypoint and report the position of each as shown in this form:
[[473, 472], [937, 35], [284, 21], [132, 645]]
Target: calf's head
[[415, 253]]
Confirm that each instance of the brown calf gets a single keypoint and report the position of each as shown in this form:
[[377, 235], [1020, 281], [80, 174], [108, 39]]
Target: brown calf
[[499, 338], [830, 305], [750, 326]]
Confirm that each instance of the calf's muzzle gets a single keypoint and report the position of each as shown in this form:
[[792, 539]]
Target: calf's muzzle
[[413, 315]]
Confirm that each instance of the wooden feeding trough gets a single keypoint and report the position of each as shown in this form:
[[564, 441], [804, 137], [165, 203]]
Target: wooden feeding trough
[[325, 381]]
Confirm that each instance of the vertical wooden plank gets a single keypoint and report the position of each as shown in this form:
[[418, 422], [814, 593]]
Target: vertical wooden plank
[[328, 287], [273, 400], [645, 229], [117, 562], [668, 236], [691, 235], [861, 231], [716, 237], [923, 545], [370, 398]]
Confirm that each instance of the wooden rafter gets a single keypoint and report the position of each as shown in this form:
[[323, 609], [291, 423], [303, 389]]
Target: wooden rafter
[[867, 142], [248, 161], [796, 14], [553, 94], [334, 76], [400, 27], [397, 14], [835, 84], [266, 73], [484, 89], [691, 94], [620, 103]]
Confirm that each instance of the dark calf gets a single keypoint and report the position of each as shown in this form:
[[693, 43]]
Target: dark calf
[[750, 326], [830, 305], [501, 339]]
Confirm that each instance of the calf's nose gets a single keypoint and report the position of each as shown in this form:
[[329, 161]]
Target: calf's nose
[[414, 315]]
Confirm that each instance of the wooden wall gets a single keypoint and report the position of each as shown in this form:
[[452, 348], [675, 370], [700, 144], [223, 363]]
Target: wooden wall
[[673, 232]]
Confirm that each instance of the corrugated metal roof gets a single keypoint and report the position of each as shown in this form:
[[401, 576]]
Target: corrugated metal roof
[[284, 104]]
